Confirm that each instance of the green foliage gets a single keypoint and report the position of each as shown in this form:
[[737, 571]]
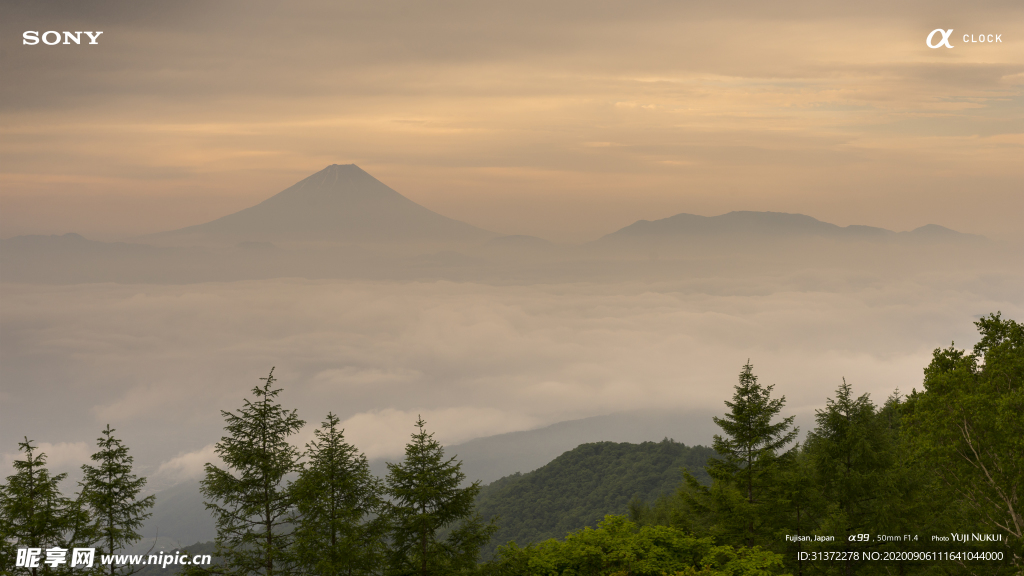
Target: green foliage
[[249, 499], [110, 491], [858, 473], [620, 547], [905, 500], [581, 486], [752, 443], [432, 526], [949, 457], [742, 505], [968, 429], [336, 498], [200, 548], [34, 513], [800, 505], [851, 453]]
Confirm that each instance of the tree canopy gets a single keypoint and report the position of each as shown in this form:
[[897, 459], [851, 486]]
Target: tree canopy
[[580, 487], [339, 526], [433, 528], [742, 504], [110, 489], [249, 497], [871, 477]]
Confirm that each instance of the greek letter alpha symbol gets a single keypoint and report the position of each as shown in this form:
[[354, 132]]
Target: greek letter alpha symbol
[[945, 38]]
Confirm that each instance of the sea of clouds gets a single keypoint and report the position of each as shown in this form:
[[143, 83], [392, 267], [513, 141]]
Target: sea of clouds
[[160, 362]]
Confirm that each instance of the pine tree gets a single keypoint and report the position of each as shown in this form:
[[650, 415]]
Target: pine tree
[[337, 499], [800, 508], [906, 502], [34, 513], [110, 491], [249, 499], [852, 452], [751, 448], [427, 503], [741, 506]]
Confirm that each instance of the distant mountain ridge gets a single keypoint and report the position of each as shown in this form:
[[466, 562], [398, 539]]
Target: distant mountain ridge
[[764, 225], [341, 203], [343, 223], [344, 204]]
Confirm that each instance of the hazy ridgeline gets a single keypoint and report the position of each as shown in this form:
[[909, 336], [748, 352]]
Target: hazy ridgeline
[[343, 223]]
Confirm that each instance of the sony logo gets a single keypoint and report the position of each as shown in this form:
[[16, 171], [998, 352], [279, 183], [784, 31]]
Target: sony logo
[[51, 37]]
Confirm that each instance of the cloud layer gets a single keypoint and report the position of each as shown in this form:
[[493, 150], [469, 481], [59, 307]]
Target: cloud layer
[[159, 363]]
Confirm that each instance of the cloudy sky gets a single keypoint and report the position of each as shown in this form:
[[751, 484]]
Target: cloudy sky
[[565, 120]]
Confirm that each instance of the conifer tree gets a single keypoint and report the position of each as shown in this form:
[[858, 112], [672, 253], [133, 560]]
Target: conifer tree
[[800, 508], [906, 502], [249, 498], [110, 491], [34, 513], [427, 503], [852, 452], [338, 502], [742, 503], [752, 445]]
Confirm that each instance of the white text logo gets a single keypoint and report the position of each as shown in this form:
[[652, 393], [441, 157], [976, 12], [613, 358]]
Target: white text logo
[[983, 38], [52, 37], [945, 38]]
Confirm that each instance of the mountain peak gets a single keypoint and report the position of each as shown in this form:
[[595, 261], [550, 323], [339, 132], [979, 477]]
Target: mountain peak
[[340, 179], [341, 203]]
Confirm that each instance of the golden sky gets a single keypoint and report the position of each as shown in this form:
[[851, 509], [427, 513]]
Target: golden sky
[[564, 120]]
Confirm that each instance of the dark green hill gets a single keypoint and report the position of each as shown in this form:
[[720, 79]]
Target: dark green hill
[[197, 548], [579, 487]]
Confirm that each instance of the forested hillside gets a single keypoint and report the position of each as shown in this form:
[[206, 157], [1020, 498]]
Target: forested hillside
[[930, 480], [171, 569], [581, 486]]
